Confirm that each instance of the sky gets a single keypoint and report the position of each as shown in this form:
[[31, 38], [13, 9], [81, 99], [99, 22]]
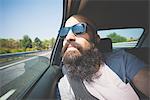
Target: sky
[[35, 18], [38, 18]]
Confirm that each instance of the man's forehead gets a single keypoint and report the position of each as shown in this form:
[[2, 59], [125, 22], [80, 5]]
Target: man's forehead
[[71, 21]]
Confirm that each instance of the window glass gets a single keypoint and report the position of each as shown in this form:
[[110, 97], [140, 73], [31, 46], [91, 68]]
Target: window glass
[[28, 29], [122, 38]]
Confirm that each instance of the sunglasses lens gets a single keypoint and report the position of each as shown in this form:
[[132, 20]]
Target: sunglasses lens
[[79, 28], [63, 32]]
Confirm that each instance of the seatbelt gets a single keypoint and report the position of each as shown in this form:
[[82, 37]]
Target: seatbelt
[[80, 91]]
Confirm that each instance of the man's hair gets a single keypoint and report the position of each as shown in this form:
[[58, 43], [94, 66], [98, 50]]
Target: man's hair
[[90, 22]]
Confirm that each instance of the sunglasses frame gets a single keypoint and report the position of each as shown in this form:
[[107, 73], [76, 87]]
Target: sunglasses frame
[[67, 29]]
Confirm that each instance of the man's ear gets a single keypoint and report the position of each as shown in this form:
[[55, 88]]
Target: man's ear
[[97, 38]]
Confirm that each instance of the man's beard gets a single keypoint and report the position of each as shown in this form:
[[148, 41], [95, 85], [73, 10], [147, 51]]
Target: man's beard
[[82, 63]]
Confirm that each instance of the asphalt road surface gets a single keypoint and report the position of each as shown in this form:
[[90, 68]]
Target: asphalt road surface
[[21, 74]]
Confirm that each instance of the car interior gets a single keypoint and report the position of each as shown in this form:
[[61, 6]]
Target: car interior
[[108, 14]]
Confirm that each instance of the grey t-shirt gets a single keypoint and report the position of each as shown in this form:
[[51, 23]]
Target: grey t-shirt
[[124, 64]]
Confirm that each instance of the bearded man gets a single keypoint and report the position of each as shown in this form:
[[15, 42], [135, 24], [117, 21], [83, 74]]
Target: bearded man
[[102, 79]]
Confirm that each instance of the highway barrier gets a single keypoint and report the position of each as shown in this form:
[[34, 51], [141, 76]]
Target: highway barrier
[[13, 57]]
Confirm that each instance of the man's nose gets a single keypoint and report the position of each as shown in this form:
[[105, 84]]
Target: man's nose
[[70, 36]]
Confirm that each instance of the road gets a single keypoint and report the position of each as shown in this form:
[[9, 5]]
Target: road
[[125, 44], [20, 75]]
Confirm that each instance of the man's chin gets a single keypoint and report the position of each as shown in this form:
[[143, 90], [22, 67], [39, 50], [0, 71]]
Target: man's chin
[[71, 56], [83, 64]]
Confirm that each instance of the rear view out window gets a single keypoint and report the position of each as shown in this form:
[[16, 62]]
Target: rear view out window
[[122, 38]]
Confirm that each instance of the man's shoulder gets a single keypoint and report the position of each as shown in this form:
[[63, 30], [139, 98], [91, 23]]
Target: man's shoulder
[[116, 53], [116, 62], [115, 57]]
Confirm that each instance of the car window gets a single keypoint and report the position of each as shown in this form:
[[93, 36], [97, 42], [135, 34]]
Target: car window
[[27, 35], [122, 38]]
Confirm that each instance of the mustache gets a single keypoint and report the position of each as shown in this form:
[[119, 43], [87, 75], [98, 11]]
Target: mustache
[[74, 44]]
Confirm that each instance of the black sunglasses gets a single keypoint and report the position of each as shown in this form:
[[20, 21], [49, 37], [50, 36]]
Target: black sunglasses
[[77, 29]]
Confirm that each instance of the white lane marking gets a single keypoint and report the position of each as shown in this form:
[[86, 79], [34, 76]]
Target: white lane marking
[[8, 94]]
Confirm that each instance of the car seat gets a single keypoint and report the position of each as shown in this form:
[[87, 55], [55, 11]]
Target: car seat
[[105, 45]]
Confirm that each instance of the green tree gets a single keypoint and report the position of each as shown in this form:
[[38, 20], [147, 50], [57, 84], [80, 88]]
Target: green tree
[[116, 38], [26, 42], [132, 39], [52, 42], [46, 44], [3, 43], [37, 43], [4, 46], [13, 44]]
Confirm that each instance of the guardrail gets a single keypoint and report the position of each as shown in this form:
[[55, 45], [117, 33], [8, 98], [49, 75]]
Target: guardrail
[[18, 54], [11, 57]]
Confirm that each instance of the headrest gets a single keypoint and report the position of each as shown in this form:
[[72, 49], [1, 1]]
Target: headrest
[[105, 45]]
